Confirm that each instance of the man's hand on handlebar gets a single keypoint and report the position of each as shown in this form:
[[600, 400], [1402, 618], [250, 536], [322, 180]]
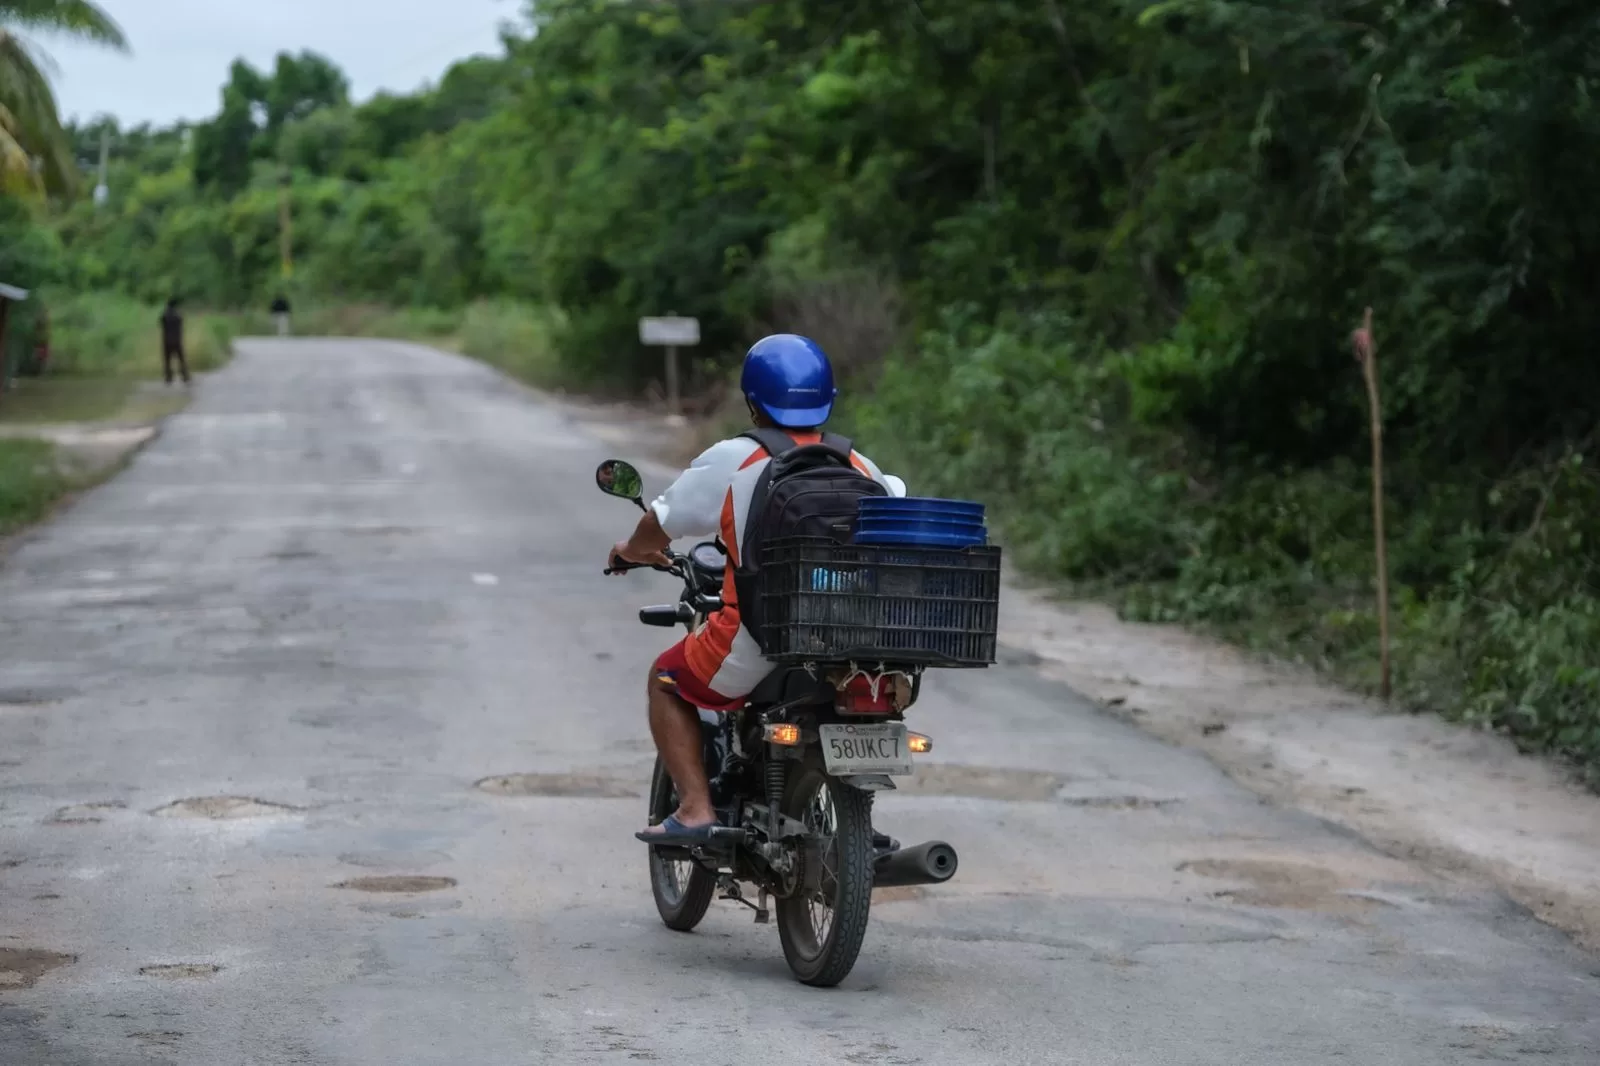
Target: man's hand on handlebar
[[626, 556], [647, 547]]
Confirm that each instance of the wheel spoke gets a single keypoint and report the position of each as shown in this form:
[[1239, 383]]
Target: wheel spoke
[[675, 873], [822, 824]]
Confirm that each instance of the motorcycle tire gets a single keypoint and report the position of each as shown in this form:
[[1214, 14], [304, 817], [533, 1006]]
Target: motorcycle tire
[[682, 888], [843, 880]]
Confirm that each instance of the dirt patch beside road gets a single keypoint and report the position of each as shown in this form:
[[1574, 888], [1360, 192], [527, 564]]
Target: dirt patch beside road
[[1414, 785]]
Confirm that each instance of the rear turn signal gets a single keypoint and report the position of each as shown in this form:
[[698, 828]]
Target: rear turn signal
[[919, 744], [786, 734]]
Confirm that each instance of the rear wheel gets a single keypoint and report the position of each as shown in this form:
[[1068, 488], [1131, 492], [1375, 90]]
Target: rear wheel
[[682, 887], [824, 922]]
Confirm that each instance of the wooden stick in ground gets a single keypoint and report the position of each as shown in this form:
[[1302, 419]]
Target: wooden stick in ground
[[1367, 355]]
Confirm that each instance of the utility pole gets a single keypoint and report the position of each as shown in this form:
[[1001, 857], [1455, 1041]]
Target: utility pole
[[285, 227], [102, 190], [1367, 355]]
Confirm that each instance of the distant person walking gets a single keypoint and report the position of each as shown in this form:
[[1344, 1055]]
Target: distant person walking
[[172, 342], [280, 314]]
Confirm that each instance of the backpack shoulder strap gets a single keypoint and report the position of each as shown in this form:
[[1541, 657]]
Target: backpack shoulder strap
[[840, 444], [775, 441]]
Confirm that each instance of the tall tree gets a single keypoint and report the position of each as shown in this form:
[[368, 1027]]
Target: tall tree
[[34, 149]]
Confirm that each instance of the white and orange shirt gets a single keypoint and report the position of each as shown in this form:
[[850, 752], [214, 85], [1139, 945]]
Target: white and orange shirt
[[713, 497]]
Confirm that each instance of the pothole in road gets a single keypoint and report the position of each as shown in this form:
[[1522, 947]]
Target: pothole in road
[[223, 808], [1118, 803], [1276, 883], [86, 813], [585, 786], [35, 695], [181, 971], [407, 885], [22, 967]]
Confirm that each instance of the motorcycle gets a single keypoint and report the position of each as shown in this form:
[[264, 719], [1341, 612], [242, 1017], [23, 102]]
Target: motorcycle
[[793, 775]]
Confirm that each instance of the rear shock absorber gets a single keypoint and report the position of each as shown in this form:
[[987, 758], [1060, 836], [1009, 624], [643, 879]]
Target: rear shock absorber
[[775, 780]]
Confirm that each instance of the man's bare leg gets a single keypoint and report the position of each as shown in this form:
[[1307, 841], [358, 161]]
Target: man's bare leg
[[675, 725]]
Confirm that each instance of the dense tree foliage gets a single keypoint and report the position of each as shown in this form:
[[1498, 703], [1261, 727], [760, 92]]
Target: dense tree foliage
[[1216, 186], [1115, 246]]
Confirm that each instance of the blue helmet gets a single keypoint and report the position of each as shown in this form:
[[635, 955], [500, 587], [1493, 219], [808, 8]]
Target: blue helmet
[[789, 379]]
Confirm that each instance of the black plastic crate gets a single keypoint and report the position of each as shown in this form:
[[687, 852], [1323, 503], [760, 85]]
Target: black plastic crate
[[821, 601]]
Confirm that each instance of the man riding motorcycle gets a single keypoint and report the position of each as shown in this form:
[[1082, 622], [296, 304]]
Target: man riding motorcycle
[[788, 384]]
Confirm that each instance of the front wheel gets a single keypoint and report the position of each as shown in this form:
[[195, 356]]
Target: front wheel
[[824, 922], [682, 887]]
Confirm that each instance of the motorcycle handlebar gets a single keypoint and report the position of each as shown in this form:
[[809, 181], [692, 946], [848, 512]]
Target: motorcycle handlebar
[[683, 612], [622, 566], [667, 615]]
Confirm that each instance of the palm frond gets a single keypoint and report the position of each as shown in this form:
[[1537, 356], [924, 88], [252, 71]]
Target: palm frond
[[33, 122], [18, 174], [74, 18]]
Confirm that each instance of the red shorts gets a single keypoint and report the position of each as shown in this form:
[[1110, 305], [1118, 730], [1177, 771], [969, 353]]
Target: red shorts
[[673, 669]]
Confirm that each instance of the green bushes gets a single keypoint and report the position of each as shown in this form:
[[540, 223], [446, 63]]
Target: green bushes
[[1032, 424], [1497, 580]]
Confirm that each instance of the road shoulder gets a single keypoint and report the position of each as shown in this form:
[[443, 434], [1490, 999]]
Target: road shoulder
[[45, 465], [1414, 785]]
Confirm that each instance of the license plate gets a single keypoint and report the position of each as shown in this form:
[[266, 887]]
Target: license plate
[[848, 750]]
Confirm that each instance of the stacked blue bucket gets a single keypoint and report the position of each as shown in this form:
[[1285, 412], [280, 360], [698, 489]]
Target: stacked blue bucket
[[921, 521]]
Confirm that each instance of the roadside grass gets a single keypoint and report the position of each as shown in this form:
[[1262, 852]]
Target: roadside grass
[[104, 335], [440, 328], [104, 367], [32, 480], [105, 363], [520, 339]]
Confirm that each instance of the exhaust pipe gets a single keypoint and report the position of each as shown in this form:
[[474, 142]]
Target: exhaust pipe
[[932, 863]]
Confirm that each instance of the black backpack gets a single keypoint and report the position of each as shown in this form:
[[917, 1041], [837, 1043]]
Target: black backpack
[[807, 490]]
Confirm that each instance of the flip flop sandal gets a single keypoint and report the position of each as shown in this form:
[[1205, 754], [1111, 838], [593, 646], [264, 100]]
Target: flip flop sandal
[[674, 833]]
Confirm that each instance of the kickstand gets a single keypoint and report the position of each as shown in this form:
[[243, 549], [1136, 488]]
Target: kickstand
[[732, 892]]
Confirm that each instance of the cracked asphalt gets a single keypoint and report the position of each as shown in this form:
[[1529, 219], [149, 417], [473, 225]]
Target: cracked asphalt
[[322, 741]]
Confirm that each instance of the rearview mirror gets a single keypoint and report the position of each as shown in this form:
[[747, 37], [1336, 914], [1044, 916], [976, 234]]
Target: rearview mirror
[[617, 478]]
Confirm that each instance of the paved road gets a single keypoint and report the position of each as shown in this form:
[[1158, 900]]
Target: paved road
[[298, 650]]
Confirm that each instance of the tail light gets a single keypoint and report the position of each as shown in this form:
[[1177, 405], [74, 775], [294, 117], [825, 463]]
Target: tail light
[[860, 695]]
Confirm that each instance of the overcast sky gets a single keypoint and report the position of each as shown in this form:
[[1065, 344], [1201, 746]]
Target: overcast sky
[[182, 48]]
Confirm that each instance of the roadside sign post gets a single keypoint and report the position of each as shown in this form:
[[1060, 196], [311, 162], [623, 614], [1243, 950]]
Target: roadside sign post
[[670, 333]]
